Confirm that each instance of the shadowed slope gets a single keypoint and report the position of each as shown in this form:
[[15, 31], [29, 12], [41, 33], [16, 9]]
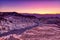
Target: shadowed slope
[[13, 23]]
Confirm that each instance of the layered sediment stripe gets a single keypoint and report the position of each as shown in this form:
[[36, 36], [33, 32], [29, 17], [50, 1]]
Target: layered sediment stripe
[[17, 31]]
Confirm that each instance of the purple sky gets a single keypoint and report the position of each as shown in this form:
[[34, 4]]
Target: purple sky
[[30, 6]]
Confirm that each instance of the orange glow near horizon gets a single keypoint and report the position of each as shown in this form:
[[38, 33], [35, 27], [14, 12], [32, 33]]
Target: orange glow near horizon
[[31, 10], [39, 7]]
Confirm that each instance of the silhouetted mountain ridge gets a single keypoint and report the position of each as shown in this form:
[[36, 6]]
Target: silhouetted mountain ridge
[[29, 15]]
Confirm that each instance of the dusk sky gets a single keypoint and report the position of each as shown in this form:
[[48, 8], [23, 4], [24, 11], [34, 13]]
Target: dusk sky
[[19, 6]]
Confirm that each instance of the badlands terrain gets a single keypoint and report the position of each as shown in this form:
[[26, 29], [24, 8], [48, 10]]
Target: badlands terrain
[[18, 26]]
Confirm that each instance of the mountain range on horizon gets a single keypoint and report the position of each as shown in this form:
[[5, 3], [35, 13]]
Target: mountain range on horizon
[[33, 14]]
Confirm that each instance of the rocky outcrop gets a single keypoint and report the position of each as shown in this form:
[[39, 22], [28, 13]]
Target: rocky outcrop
[[28, 27], [11, 22]]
